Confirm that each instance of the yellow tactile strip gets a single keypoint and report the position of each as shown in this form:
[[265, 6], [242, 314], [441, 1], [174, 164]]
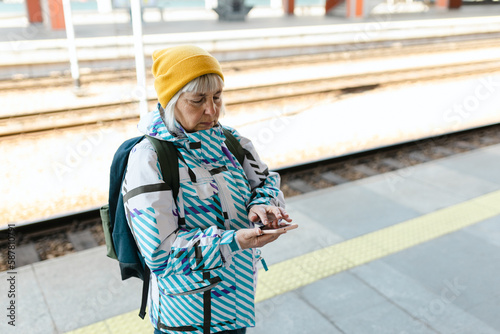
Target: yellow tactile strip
[[300, 271], [306, 269], [128, 323]]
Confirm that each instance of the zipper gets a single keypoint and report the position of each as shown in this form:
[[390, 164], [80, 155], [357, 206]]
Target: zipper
[[205, 288], [223, 200]]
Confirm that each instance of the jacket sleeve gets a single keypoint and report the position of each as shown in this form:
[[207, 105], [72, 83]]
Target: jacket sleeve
[[265, 185], [153, 218]]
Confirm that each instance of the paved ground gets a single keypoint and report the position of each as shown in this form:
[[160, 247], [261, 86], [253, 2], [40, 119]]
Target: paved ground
[[437, 227]]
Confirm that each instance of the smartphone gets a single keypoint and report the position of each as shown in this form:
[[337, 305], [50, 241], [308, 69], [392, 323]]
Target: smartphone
[[268, 230]]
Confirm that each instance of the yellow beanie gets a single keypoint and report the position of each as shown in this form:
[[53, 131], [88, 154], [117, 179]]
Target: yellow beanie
[[174, 67]]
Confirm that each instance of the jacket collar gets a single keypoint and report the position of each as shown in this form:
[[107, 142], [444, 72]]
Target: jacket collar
[[205, 144]]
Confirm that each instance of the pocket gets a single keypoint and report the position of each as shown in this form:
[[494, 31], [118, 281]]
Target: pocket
[[205, 190], [187, 308], [197, 258], [182, 285], [224, 302], [108, 230], [201, 204]]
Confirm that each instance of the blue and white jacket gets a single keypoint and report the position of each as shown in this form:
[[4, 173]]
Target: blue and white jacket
[[201, 282]]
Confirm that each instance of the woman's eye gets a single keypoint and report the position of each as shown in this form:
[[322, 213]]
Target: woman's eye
[[199, 101]]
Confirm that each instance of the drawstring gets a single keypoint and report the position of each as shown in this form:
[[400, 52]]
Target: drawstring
[[263, 263], [261, 259]]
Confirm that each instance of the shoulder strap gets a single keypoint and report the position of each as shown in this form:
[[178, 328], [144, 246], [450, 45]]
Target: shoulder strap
[[145, 288], [167, 156], [234, 146]]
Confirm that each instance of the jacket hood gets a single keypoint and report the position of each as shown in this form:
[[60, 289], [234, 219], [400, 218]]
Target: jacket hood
[[151, 124]]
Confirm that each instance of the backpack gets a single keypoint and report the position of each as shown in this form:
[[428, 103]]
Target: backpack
[[120, 242]]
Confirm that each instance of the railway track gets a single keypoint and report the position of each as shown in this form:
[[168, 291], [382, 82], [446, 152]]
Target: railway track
[[12, 125], [30, 59], [424, 46], [74, 232]]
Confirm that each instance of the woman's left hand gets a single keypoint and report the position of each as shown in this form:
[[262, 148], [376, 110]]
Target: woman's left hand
[[268, 215]]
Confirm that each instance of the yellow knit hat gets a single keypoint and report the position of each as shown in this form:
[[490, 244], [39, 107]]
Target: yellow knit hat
[[174, 67]]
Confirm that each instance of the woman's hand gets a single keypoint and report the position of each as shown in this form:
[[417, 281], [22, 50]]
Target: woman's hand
[[268, 215], [253, 237]]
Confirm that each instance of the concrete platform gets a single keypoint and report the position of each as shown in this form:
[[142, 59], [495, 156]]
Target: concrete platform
[[412, 251], [93, 24]]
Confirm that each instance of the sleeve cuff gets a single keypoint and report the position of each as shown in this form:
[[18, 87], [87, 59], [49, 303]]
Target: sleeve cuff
[[229, 246], [234, 245], [260, 201]]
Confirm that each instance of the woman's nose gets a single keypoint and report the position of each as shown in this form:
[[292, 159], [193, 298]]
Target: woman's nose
[[210, 107]]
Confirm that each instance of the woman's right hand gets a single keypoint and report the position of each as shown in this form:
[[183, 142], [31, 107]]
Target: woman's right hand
[[253, 237]]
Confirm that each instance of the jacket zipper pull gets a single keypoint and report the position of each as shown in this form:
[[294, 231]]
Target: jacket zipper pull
[[264, 263]]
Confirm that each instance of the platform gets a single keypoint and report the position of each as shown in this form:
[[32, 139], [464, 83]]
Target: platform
[[90, 23], [416, 250]]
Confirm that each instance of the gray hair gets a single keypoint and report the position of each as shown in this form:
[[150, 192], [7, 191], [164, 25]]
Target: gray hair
[[205, 83]]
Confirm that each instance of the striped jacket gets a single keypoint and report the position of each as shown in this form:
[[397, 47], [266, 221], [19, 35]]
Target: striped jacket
[[201, 282]]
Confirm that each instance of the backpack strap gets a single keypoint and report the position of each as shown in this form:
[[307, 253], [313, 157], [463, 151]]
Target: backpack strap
[[145, 288], [234, 146], [167, 156]]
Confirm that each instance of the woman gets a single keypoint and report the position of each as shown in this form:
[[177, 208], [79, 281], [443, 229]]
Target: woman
[[201, 246]]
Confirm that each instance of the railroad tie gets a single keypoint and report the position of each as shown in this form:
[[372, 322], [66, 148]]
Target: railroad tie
[[364, 169], [442, 150], [82, 240], [465, 145], [488, 140], [393, 163], [26, 254], [301, 185], [419, 157], [333, 178]]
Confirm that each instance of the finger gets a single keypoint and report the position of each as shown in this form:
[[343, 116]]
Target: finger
[[277, 212], [277, 215], [255, 213], [272, 220], [261, 212], [256, 238], [253, 216], [273, 216], [285, 215], [258, 232], [266, 238]]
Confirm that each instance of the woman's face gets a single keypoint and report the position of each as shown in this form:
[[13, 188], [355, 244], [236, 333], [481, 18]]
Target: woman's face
[[197, 111]]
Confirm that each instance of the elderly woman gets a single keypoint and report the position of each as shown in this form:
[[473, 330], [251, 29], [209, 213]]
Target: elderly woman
[[200, 246]]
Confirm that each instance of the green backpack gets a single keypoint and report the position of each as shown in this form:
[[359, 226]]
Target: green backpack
[[120, 242]]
